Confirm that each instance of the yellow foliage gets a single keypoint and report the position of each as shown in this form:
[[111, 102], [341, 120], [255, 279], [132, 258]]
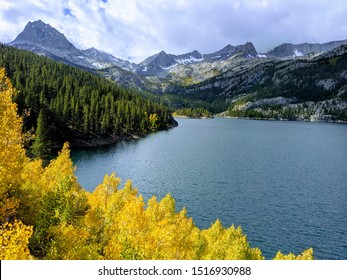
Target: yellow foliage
[[306, 255], [32, 191], [59, 174], [71, 243], [153, 120], [228, 243], [12, 154], [14, 239], [102, 207]]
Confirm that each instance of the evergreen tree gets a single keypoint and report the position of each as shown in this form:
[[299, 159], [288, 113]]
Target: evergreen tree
[[41, 147]]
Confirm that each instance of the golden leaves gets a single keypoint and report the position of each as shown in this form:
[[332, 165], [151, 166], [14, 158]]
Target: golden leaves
[[305, 255], [14, 239], [71, 243], [12, 154]]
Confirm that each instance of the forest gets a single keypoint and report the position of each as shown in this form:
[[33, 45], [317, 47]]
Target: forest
[[61, 103], [193, 113], [46, 214]]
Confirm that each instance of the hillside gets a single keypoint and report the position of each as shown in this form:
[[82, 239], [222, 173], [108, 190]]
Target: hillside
[[301, 89], [62, 103]]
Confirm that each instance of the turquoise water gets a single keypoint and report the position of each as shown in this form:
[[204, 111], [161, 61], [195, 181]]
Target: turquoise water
[[284, 183]]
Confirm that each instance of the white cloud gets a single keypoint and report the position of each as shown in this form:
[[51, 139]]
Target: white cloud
[[139, 28]]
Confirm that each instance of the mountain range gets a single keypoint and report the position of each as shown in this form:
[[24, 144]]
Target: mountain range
[[221, 77], [43, 39]]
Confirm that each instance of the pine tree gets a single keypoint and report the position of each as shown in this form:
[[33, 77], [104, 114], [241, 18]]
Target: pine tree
[[41, 147]]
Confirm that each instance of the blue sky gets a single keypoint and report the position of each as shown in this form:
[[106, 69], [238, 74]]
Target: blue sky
[[136, 29]]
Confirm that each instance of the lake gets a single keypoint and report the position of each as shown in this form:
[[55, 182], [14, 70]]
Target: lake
[[284, 183]]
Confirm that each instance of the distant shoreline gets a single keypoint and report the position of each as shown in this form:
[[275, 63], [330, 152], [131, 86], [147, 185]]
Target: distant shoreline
[[281, 119], [188, 117]]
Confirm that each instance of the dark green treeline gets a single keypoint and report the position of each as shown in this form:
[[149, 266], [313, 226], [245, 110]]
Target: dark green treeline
[[64, 103]]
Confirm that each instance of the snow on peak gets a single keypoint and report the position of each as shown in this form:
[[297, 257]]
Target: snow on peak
[[169, 67], [297, 53], [188, 60], [261, 55]]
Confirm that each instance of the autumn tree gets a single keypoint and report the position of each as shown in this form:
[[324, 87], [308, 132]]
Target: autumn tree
[[12, 154], [14, 235]]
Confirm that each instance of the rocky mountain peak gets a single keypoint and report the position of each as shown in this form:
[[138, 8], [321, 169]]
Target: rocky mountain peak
[[247, 50], [195, 53], [283, 50], [43, 38], [189, 58], [101, 57], [38, 24], [38, 33]]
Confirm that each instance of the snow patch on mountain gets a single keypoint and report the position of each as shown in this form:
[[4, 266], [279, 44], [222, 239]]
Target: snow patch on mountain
[[188, 60], [261, 55], [168, 67], [297, 53]]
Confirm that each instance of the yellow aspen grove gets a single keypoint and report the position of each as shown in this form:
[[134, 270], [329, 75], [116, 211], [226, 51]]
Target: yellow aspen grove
[[12, 153]]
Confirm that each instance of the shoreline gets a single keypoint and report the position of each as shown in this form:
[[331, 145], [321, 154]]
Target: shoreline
[[287, 120], [95, 141], [187, 117]]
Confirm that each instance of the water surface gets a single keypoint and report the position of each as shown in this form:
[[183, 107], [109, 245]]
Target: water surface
[[284, 183]]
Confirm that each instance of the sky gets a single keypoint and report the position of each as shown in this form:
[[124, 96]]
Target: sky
[[136, 29]]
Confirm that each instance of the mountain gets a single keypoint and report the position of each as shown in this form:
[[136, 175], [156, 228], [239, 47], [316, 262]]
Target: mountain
[[43, 39], [155, 65], [247, 51], [40, 35], [104, 57], [294, 89], [158, 64], [288, 50]]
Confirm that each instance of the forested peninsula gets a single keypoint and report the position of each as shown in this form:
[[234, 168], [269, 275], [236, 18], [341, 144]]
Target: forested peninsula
[[194, 113], [62, 103]]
